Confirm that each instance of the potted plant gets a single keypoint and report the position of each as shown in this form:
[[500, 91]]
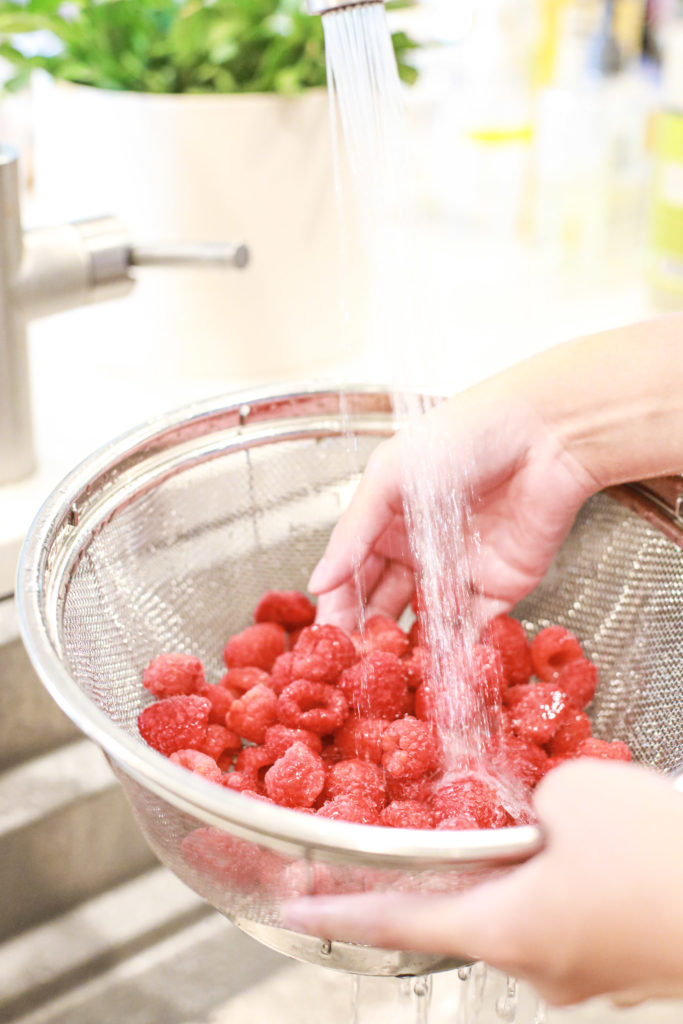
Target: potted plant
[[196, 119]]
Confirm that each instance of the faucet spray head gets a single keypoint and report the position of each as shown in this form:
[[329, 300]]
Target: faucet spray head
[[326, 6]]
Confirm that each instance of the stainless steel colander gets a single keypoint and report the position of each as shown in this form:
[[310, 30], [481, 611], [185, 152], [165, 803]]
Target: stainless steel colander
[[166, 539]]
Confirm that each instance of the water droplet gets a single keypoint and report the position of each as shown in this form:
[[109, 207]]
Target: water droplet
[[464, 973]]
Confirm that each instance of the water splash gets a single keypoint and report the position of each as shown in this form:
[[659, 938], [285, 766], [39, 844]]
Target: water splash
[[506, 1006]]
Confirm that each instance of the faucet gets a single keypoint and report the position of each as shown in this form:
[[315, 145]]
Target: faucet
[[49, 270]]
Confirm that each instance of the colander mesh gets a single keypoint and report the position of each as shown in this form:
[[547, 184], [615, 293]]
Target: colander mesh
[[181, 566]]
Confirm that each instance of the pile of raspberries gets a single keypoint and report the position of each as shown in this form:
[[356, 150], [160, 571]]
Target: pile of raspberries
[[344, 725]]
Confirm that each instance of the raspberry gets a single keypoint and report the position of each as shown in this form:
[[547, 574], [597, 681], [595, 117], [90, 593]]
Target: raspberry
[[554, 762], [331, 754], [357, 778], [297, 778], [219, 740], [411, 749], [280, 737], [318, 707], [470, 802], [282, 672], [227, 861], [200, 764], [362, 737], [256, 646], [552, 649], [221, 700], [175, 723], [509, 638], [578, 680], [242, 679], [540, 713], [376, 686], [170, 675], [251, 714], [322, 653], [426, 701], [416, 666], [521, 759], [407, 814], [416, 634], [383, 634], [566, 740], [307, 878], [514, 694], [349, 808], [420, 790], [288, 608], [488, 676], [614, 751], [238, 781], [253, 763]]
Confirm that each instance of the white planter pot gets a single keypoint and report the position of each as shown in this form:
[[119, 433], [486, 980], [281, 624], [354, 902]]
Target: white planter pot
[[247, 168]]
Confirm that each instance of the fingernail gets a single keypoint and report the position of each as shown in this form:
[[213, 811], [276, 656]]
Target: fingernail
[[319, 576], [297, 914]]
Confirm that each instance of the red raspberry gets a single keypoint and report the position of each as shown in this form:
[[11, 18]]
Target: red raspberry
[[555, 762], [289, 608], [199, 764], [362, 737], [237, 781], [307, 878], [219, 740], [566, 740], [521, 759], [383, 634], [578, 680], [253, 763], [227, 861], [170, 675], [240, 680], [175, 723], [297, 778], [322, 653], [614, 751], [540, 713], [426, 701], [318, 707], [420, 790], [282, 672], [552, 649], [331, 754], [280, 737], [509, 638], [488, 676], [416, 634], [417, 666], [251, 715], [221, 700], [350, 808], [357, 778], [256, 646], [514, 694], [407, 814], [411, 749], [470, 802], [377, 686]]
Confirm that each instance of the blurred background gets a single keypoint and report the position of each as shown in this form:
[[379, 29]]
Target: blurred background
[[547, 139]]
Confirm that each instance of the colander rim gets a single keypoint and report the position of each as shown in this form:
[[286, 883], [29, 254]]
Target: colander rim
[[262, 822]]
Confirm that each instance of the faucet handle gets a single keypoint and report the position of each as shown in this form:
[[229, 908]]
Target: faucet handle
[[169, 254]]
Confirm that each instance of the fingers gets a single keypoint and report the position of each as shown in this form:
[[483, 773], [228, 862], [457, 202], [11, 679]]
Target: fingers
[[376, 501], [480, 924]]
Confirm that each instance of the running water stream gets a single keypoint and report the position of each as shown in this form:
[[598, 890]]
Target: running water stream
[[370, 132], [370, 136]]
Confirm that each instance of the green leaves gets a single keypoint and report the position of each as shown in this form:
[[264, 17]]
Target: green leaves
[[173, 46]]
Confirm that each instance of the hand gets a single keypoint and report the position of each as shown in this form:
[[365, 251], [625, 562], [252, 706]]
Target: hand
[[525, 489], [598, 911]]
